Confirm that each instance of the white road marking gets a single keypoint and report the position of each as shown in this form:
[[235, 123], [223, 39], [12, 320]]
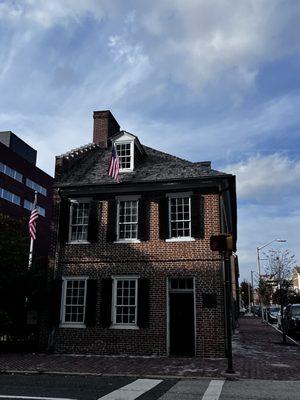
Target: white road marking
[[133, 390], [5, 396], [214, 390]]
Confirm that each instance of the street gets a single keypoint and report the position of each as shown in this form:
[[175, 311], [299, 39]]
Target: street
[[84, 387]]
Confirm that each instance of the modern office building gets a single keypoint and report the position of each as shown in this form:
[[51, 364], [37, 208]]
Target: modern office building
[[19, 179]]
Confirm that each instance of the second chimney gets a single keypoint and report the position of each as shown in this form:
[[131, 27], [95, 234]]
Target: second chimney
[[105, 126]]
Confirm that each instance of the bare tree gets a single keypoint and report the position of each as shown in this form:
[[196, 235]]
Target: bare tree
[[279, 268]]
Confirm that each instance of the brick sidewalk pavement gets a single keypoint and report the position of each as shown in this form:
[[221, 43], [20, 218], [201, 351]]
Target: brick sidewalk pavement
[[258, 354]]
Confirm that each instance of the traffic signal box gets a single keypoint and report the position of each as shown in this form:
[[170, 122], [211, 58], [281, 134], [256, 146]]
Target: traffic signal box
[[222, 243]]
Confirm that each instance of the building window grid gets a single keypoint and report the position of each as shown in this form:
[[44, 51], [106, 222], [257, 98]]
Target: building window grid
[[128, 219], [79, 221], [75, 299], [11, 197], [11, 172], [125, 312], [29, 206], [180, 216], [36, 186], [124, 154]]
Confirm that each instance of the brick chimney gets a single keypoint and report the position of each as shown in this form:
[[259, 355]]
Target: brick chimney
[[105, 126]]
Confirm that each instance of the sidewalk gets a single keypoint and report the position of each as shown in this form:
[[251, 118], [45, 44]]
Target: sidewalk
[[258, 354]]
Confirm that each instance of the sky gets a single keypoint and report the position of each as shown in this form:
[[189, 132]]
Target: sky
[[204, 80]]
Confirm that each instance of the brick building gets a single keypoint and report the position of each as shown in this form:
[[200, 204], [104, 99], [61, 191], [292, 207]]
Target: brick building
[[134, 273], [19, 178]]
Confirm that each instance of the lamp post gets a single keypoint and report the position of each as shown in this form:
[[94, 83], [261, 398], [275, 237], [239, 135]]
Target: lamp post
[[258, 248]]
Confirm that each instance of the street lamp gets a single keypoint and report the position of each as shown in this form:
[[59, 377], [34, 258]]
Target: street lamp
[[258, 248]]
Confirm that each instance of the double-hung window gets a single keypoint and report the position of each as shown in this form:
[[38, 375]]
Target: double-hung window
[[79, 219], [125, 154], [127, 219], [179, 205], [73, 301], [125, 292]]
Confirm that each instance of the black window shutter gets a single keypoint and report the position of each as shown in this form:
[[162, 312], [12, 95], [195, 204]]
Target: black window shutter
[[91, 300], [93, 222], [55, 302], [197, 206], [143, 303], [112, 221], [163, 218], [64, 221], [106, 297], [143, 223]]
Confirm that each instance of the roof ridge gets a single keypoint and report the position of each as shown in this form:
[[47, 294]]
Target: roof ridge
[[168, 154], [79, 150]]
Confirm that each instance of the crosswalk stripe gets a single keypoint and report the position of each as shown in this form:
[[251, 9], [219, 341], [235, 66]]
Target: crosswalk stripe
[[214, 390], [5, 396], [133, 390]]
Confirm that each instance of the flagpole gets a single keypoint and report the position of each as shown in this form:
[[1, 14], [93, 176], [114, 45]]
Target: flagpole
[[31, 238]]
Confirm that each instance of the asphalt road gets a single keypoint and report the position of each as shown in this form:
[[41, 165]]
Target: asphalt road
[[46, 387]]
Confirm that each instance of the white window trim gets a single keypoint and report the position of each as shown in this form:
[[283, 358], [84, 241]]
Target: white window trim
[[131, 142], [179, 238], [76, 201], [126, 198], [114, 324], [64, 324]]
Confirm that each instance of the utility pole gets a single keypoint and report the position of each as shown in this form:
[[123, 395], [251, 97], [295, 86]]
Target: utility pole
[[228, 286]]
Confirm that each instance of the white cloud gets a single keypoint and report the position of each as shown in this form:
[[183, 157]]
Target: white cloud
[[49, 13], [197, 43], [257, 226], [264, 178], [208, 41]]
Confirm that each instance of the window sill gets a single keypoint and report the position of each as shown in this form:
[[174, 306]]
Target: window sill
[[132, 327], [128, 241], [79, 242], [181, 239], [80, 326]]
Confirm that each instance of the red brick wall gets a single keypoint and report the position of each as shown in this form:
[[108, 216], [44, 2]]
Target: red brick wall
[[156, 260]]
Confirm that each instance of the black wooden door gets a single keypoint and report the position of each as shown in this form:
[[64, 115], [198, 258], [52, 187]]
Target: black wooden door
[[182, 337]]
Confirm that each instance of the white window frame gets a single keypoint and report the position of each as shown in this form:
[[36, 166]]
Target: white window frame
[[179, 238], [127, 198], [76, 201], [131, 142], [115, 279], [67, 324]]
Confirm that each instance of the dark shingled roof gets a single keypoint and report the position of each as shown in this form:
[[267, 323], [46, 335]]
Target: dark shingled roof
[[156, 166]]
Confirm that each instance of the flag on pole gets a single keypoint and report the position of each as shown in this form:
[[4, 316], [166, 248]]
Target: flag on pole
[[114, 166], [32, 222]]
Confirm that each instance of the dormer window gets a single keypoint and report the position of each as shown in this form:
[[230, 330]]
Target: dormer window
[[125, 153]]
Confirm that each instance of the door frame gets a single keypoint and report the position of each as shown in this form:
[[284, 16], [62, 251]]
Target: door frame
[[168, 291]]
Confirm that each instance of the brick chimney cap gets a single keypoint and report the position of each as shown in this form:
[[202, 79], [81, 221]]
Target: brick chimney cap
[[103, 114]]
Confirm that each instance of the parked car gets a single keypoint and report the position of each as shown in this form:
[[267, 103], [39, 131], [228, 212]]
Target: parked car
[[256, 310], [272, 312], [292, 319]]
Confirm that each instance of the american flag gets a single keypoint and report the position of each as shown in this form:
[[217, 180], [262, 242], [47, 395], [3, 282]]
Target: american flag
[[32, 223], [114, 165]]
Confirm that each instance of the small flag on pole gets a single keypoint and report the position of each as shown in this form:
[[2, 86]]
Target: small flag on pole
[[114, 166], [32, 222]]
